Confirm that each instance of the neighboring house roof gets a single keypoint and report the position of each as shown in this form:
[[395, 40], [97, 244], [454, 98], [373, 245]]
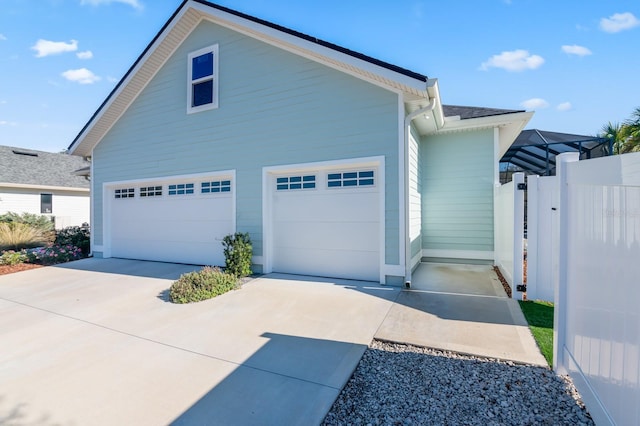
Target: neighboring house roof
[[467, 112], [25, 167], [534, 151]]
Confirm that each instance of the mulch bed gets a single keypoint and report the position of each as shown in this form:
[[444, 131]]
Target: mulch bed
[[10, 269]]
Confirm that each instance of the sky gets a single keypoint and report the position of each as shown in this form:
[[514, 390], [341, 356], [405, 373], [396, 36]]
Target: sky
[[574, 62]]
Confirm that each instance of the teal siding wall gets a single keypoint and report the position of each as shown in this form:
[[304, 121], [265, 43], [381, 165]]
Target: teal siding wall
[[457, 191], [275, 108]]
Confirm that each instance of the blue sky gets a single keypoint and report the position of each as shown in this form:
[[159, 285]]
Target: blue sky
[[574, 62]]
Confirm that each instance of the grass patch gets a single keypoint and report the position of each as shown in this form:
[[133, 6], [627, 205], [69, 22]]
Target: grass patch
[[539, 315]]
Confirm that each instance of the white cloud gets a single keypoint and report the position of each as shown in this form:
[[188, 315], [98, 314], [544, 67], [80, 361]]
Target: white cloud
[[47, 47], [516, 60], [87, 54], [2, 37], [534, 103], [619, 22], [8, 123], [82, 76], [574, 49], [136, 4], [565, 106], [112, 79]]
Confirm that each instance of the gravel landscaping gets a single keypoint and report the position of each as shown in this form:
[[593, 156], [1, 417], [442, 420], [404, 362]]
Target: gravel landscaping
[[398, 384]]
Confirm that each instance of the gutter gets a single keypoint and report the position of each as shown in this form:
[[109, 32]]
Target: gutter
[[407, 240]]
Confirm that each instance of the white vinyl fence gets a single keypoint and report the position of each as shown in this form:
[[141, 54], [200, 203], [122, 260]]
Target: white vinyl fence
[[597, 299], [509, 229]]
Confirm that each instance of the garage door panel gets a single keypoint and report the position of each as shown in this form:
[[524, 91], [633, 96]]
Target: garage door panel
[[329, 263], [331, 232], [327, 235], [185, 228], [326, 205]]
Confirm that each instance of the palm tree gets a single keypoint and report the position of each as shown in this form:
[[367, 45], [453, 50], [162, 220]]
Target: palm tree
[[632, 130], [616, 133]]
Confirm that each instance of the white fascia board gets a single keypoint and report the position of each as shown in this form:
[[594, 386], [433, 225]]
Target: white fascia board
[[43, 187], [123, 85], [518, 118], [357, 67]]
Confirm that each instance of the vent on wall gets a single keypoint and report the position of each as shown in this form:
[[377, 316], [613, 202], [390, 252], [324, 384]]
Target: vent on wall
[[27, 153]]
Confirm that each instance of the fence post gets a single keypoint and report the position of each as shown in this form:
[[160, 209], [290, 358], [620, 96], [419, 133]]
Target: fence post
[[518, 230], [560, 291], [532, 236]]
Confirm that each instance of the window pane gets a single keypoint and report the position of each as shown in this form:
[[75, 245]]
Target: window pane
[[202, 66], [46, 205], [203, 93]]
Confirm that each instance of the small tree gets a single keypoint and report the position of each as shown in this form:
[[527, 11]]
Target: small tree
[[237, 254]]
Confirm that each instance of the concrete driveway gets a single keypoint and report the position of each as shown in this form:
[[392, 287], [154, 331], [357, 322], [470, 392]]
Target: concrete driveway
[[96, 342]]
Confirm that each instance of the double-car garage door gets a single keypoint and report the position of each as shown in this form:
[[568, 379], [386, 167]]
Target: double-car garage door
[[321, 222]]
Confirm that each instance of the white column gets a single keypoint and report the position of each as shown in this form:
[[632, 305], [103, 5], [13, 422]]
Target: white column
[[518, 231], [532, 236]]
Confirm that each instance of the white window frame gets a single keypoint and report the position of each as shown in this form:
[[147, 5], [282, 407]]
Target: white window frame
[[190, 82]]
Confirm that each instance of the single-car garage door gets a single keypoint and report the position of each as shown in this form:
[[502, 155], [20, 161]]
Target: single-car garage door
[[327, 223], [171, 220]]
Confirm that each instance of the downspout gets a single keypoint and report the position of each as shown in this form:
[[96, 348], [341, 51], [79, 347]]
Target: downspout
[[407, 240]]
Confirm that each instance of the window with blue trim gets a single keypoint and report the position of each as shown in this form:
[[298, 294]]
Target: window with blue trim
[[181, 189], [217, 186], [287, 183], [203, 79], [351, 179]]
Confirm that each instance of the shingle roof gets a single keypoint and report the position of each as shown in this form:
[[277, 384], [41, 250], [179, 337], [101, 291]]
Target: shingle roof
[[466, 112], [25, 166]]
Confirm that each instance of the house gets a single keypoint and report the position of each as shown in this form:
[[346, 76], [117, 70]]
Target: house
[[44, 183], [337, 164]]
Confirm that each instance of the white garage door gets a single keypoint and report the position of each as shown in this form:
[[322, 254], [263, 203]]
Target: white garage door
[[181, 220], [327, 223]]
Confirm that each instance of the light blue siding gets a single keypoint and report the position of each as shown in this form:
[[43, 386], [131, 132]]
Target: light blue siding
[[275, 108], [457, 191]]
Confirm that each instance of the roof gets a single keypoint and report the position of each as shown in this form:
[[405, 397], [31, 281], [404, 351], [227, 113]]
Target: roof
[[188, 15], [535, 150], [28, 167], [467, 112]]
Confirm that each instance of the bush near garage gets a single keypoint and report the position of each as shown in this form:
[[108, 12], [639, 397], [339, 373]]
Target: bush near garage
[[78, 236], [202, 285], [237, 254]]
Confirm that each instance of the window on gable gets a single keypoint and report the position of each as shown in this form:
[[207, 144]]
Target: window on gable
[[203, 79], [46, 203]]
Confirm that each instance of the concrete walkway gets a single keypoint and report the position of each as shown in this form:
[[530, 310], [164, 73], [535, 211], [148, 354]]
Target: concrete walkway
[[95, 342], [461, 308]]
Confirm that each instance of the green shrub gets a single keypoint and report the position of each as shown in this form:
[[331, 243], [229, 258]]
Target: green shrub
[[78, 236], [201, 285], [11, 257], [16, 236], [237, 254], [43, 223]]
